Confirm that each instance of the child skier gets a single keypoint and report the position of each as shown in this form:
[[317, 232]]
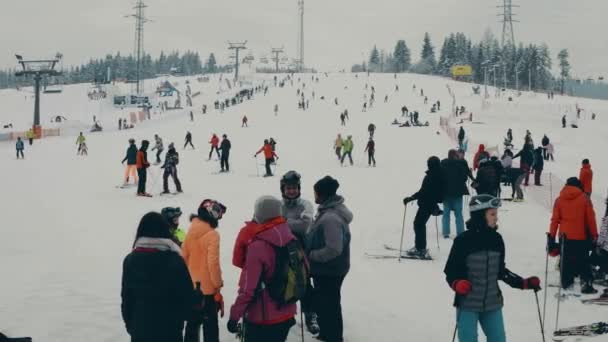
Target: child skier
[[172, 216], [475, 264], [19, 147], [158, 147], [80, 141]]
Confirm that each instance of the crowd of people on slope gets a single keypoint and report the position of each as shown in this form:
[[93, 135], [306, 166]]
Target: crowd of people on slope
[[172, 280]]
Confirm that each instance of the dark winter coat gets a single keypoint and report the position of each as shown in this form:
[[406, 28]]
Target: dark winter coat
[[461, 134], [19, 145], [526, 154], [225, 148], [539, 161], [545, 141], [487, 179], [432, 189], [455, 173], [512, 174], [171, 160], [131, 156], [328, 240], [156, 291], [478, 255], [371, 147]]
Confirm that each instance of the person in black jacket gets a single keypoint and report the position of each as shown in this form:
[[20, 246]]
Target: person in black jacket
[[486, 181], [170, 167], [538, 164], [157, 292], [544, 142], [475, 265], [225, 147], [188, 140], [131, 159], [527, 158], [455, 172], [429, 195]]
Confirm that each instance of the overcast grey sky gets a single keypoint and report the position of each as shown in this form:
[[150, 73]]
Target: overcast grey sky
[[338, 32]]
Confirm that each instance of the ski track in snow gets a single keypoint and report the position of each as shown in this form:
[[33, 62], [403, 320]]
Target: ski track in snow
[[67, 228]]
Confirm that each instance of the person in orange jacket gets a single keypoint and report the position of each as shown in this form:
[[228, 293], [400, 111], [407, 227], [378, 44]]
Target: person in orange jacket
[[142, 165], [215, 142], [574, 218], [201, 252], [269, 156], [586, 177]]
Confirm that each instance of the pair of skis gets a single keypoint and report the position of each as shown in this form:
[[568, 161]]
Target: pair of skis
[[392, 256], [589, 330]]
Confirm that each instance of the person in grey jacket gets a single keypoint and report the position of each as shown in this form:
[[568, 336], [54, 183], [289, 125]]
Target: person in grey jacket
[[299, 214], [328, 251]]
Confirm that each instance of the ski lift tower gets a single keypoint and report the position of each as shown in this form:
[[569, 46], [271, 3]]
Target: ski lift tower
[[237, 47], [301, 36], [276, 52], [38, 69], [140, 20], [508, 36]]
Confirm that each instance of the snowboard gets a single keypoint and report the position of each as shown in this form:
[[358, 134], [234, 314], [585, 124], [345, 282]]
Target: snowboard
[[589, 330]]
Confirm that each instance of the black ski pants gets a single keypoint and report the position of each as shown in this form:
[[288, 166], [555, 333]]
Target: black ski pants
[[188, 142], [216, 151], [171, 172], [268, 333], [158, 152], [224, 162], [350, 157], [576, 262], [20, 152], [211, 331], [267, 164], [422, 216], [141, 184], [371, 158], [328, 302]]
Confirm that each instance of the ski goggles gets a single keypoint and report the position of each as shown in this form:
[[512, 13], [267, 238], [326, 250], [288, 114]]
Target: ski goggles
[[483, 202], [215, 208]]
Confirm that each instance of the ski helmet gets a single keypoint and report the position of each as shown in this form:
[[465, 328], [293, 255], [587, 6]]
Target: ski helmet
[[211, 211], [483, 202], [131, 141], [290, 178], [170, 213]]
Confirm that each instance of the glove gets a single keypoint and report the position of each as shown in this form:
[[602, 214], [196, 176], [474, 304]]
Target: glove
[[407, 200], [552, 246], [532, 283], [233, 326], [462, 287], [219, 300]]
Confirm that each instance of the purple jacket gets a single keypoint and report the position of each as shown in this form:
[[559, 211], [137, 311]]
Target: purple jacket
[[256, 306]]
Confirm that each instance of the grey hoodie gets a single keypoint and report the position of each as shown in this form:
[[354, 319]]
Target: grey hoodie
[[299, 214], [328, 240]]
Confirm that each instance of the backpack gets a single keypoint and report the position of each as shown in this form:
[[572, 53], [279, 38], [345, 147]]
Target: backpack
[[290, 278]]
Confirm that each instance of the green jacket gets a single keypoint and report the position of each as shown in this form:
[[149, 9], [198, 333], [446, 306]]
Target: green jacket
[[348, 145], [180, 235], [80, 139]]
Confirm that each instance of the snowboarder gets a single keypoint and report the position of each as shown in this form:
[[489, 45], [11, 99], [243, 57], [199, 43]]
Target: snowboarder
[[328, 251], [244, 121], [156, 286], [371, 128], [158, 146], [19, 147], [269, 156], [371, 151], [172, 216], [170, 167], [574, 218], [131, 159], [80, 140], [142, 166], [347, 147], [225, 148], [215, 141], [188, 140], [429, 195], [538, 165], [338, 146], [586, 177], [475, 265], [201, 252]]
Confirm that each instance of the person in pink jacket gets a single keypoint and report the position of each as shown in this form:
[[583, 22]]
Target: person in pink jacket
[[264, 318]]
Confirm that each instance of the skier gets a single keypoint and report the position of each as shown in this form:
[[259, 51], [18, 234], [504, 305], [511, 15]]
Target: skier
[[600, 256], [131, 159], [586, 177], [342, 118], [142, 166], [364, 107], [538, 165], [574, 218], [371, 151], [158, 146], [80, 140], [201, 252], [346, 114], [170, 167], [172, 216], [191, 116], [215, 141], [120, 124], [276, 109], [328, 251], [544, 142], [429, 195], [371, 128], [455, 172], [299, 214], [30, 135], [225, 148], [475, 264], [244, 121], [550, 151], [347, 146], [256, 253], [438, 105], [564, 121], [269, 156], [426, 100], [527, 158], [338, 146], [479, 155], [188, 140], [156, 288], [461, 136], [273, 144], [486, 179], [19, 147]]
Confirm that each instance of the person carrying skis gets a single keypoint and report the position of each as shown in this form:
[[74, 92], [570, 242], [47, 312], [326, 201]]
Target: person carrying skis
[[188, 140], [215, 141], [131, 159], [586, 177], [338, 146], [455, 172], [19, 147], [158, 147], [156, 293], [256, 248], [80, 140], [347, 146], [475, 265], [429, 195], [269, 156], [480, 155], [170, 167], [201, 252], [527, 158], [371, 128], [573, 222], [328, 251], [225, 148], [538, 165], [299, 214], [371, 151], [172, 216], [142, 165]]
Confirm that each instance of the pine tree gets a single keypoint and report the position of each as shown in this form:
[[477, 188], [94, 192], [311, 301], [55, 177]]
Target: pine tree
[[211, 66], [427, 62], [374, 59], [401, 57], [564, 67]]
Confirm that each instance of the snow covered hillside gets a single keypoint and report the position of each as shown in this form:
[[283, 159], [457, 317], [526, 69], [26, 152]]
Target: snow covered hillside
[[66, 227]]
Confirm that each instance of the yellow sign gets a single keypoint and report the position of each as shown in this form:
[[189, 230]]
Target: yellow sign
[[462, 70]]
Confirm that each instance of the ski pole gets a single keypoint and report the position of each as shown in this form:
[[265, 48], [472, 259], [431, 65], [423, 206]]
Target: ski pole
[[561, 272], [402, 232], [542, 327], [257, 168], [437, 231], [456, 325], [546, 278], [302, 322], [551, 188]]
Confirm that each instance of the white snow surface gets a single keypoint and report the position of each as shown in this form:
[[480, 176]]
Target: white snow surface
[[66, 227]]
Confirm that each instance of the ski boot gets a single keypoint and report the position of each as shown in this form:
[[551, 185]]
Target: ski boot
[[311, 322], [587, 288]]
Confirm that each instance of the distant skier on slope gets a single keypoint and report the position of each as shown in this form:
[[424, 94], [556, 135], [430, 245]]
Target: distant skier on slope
[[188, 140], [158, 146], [269, 156], [170, 167], [142, 166], [225, 149], [214, 146], [131, 159]]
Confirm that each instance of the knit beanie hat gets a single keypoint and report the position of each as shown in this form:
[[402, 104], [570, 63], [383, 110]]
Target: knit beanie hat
[[573, 181], [326, 187], [267, 208]]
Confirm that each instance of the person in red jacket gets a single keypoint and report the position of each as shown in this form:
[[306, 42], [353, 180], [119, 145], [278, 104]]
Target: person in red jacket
[[573, 221], [269, 156], [142, 165], [481, 152], [586, 177], [215, 143]]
